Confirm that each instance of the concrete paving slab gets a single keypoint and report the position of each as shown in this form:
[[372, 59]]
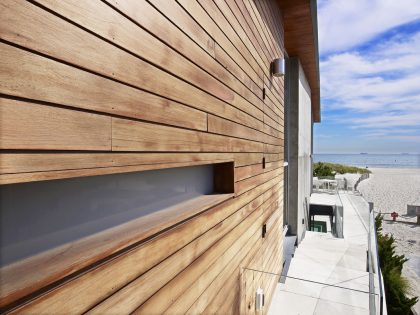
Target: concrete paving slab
[[345, 296], [292, 304], [328, 307], [329, 261]]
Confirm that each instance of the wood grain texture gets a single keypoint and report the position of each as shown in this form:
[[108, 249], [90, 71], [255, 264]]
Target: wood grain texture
[[92, 171], [242, 27], [261, 264], [221, 12], [272, 157], [228, 297], [18, 279], [113, 86], [227, 128], [299, 38], [12, 163], [245, 172], [115, 274], [187, 24], [23, 74], [148, 17], [218, 271], [250, 66], [160, 301], [28, 167], [26, 125], [249, 183], [102, 20], [252, 20], [225, 27], [103, 58], [222, 280], [138, 136]]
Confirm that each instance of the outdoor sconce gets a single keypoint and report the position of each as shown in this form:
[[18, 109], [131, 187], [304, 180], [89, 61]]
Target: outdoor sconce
[[259, 299], [278, 67]]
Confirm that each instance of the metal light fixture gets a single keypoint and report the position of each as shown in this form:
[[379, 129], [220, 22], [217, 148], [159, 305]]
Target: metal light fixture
[[278, 67], [259, 299]]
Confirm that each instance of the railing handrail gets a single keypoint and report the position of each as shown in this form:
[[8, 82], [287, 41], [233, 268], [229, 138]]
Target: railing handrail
[[372, 308], [381, 293]]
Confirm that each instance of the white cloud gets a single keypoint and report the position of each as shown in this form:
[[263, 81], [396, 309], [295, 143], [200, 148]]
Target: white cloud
[[412, 138], [377, 80], [343, 24], [409, 119], [375, 91]]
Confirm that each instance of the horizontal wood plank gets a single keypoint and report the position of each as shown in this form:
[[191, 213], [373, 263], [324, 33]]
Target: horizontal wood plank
[[222, 15], [249, 183], [268, 148], [33, 162], [222, 250], [229, 284], [241, 26], [18, 279], [28, 167], [250, 66], [110, 277], [148, 17], [225, 127], [273, 132], [103, 20], [67, 40], [138, 136], [85, 172], [274, 124], [245, 172], [187, 24], [27, 75], [229, 259], [114, 86], [242, 159], [25, 125], [272, 157]]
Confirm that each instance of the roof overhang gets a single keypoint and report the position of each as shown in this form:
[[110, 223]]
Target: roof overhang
[[301, 40]]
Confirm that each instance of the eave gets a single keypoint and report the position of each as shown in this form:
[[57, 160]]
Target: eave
[[301, 40]]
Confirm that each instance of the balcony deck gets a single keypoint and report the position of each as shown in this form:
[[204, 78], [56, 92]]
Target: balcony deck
[[329, 275]]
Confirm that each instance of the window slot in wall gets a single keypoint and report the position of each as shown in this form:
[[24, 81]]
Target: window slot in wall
[[78, 222]]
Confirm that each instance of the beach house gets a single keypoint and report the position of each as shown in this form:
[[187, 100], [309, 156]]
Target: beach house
[[152, 150]]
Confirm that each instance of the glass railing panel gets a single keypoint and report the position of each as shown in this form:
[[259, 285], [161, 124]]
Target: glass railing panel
[[265, 292], [338, 217], [375, 277]]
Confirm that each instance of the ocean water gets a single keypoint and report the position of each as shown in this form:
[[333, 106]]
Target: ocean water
[[372, 160]]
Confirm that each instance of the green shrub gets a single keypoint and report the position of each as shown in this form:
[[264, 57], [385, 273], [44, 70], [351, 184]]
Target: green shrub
[[322, 169], [396, 286], [329, 169]]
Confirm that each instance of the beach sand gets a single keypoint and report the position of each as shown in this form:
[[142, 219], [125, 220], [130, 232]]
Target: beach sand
[[391, 190]]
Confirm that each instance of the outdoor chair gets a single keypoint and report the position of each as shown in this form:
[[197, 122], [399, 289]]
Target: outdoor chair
[[316, 183]]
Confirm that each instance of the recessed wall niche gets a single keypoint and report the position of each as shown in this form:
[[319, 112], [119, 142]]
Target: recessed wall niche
[[72, 224]]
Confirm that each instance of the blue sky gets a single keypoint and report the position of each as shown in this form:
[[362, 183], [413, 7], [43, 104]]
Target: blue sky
[[370, 76]]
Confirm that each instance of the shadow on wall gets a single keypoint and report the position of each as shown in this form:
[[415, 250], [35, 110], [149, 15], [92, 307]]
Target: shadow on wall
[[38, 216]]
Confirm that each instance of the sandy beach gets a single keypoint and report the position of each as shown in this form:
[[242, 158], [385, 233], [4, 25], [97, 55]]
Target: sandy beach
[[391, 190]]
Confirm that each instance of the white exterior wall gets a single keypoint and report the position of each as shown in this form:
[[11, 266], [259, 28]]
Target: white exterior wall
[[299, 147], [304, 148]]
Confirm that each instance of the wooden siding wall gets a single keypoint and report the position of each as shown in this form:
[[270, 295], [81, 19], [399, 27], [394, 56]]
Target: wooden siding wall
[[99, 87]]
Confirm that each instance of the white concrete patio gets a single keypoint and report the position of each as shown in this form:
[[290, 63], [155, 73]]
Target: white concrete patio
[[328, 275]]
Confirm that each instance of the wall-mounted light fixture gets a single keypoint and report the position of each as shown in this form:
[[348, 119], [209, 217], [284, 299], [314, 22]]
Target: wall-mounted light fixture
[[278, 67], [259, 299]]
